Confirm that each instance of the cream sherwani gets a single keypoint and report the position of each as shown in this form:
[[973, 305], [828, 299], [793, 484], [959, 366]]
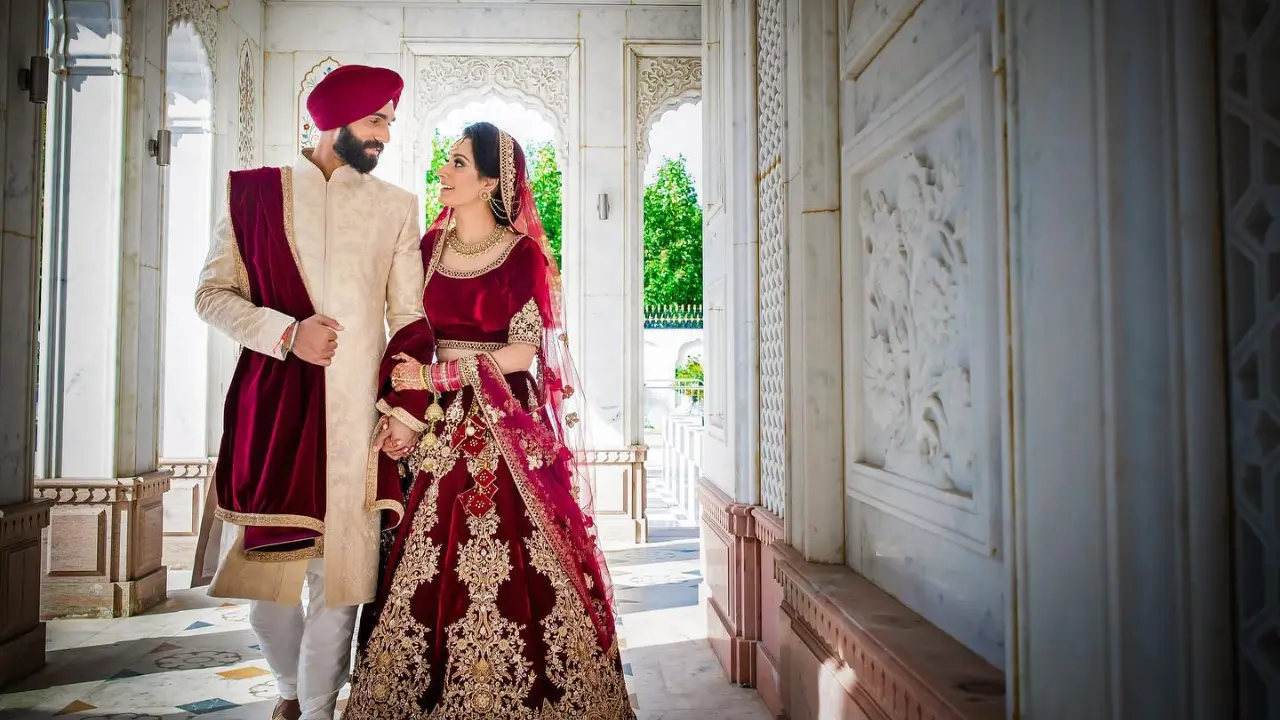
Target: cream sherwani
[[357, 239]]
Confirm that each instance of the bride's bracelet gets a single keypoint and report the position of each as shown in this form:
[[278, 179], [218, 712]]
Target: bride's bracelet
[[445, 376]]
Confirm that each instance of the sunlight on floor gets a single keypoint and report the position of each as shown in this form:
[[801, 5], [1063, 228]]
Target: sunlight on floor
[[196, 657]]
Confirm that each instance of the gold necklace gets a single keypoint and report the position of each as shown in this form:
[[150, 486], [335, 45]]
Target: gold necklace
[[473, 249]]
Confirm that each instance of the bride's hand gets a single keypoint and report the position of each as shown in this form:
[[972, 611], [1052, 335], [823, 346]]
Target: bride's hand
[[396, 438], [407, 375]]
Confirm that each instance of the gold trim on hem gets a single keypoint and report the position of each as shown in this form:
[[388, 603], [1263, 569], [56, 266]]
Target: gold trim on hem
[[269, 519], [267, 556]]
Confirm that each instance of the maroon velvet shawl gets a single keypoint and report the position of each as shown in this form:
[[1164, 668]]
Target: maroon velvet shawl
[[270, 475]]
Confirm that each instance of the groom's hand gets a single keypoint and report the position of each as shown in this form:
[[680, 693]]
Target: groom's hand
[[317, 340]]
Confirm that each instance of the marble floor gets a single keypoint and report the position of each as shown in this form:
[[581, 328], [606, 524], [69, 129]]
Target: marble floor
[[195, 656]]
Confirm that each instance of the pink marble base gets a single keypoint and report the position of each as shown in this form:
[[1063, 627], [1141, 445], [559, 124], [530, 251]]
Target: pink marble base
[[822, 642]]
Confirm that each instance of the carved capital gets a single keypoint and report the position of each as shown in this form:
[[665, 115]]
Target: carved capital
[[24, 519]]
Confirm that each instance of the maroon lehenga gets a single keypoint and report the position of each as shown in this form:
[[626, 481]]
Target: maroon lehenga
[[495, 600]]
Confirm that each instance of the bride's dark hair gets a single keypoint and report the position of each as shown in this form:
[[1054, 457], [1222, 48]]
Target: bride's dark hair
[[486, 144]]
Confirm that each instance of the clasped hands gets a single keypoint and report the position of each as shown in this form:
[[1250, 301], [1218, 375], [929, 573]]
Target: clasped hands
[[395, 438]]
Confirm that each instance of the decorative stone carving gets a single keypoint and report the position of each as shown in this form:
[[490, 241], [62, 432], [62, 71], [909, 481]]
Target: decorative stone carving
[[204, 18], [1248, 36], [771, 142], [246, 145], [308, 135], [539, 81], [665, 83], [916, 366], [184, 503]]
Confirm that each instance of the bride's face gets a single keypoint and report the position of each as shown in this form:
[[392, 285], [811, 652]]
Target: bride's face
[[460, 181]]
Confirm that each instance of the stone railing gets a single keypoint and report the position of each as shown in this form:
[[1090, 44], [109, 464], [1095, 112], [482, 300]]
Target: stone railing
[[184, 502], [104, 546], [682, 460]]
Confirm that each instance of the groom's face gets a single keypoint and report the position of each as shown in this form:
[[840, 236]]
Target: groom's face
[[361, 143]]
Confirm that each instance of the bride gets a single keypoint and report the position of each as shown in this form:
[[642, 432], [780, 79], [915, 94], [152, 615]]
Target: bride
[[495, 600]]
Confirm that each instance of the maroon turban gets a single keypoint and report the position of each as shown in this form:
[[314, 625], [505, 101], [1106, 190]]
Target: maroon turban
[[351, 92]]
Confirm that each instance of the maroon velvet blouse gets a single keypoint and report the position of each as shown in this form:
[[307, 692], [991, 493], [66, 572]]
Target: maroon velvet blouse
[[491, 307]]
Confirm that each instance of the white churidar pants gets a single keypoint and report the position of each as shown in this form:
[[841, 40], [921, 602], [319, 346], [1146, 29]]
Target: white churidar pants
[[308, 652]]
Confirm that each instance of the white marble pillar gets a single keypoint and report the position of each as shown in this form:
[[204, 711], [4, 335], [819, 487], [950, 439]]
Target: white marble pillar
[[1120, 607], [103, 317], [22, 635], [815, 492]]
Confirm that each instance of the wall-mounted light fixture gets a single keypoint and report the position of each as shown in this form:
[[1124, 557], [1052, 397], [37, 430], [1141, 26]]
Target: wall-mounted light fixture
[[602, 206], [35, 80], [158, 148]]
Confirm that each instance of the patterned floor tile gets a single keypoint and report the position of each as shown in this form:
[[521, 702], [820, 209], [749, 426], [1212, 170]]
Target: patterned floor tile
[[244, 673], [76, 707], [204, 707]]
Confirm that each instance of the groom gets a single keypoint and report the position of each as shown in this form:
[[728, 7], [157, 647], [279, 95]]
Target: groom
[[310, 268]]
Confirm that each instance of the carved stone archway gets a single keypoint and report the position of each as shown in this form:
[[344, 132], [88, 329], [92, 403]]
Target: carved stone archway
[[204, 18], [444, 83], [663, 84]]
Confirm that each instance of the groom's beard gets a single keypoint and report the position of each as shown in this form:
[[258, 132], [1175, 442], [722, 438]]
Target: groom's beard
[[352, 151]]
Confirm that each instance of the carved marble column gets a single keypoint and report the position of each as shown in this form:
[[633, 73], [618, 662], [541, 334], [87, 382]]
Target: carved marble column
[[22, 635], [102, 318]]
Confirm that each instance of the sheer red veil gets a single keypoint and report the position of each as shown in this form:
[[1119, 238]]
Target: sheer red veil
[[564, 436]]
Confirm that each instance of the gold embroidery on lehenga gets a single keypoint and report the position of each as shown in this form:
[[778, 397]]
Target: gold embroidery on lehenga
[[589, 678], [487, 674], [394, 668]]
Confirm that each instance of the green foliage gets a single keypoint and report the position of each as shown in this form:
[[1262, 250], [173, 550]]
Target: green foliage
[[690, 375], [545, 182], [439, 156], [672, 237]]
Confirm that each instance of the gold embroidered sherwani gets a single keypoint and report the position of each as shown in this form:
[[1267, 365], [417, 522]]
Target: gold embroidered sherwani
[[357, 241]]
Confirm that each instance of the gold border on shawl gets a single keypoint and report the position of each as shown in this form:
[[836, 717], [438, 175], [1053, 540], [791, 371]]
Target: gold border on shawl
[[242, 273], [286, 191], [402, 415], [269, 519], [371, 502], [471, 376]]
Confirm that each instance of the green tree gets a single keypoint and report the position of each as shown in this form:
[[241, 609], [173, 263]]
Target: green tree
[[545, 183], [439, 156], [672, 237]]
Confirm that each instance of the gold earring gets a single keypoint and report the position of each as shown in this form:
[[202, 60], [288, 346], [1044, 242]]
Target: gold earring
[[484, 195]]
